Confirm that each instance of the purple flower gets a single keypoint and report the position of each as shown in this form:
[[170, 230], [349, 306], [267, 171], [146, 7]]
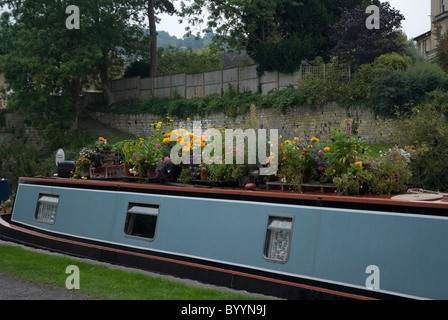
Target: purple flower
[[204, 169]]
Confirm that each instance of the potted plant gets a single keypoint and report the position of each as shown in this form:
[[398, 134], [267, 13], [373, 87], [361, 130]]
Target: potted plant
[[294, 161], [6, 206], [83, 164]]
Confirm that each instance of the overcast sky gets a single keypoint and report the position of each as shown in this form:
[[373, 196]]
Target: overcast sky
[[416, 13]]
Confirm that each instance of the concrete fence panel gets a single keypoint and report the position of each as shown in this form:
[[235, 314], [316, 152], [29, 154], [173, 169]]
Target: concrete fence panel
[[241, 79]]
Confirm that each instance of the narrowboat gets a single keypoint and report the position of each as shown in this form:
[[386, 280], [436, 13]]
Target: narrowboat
[[285, 244]]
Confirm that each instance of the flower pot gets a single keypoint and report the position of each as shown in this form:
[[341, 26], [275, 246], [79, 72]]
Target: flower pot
[[204, 176], [151, 173], [306, 176], [127, 171], [6, 210]]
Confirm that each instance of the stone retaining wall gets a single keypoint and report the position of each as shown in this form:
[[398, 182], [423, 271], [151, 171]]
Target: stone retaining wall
[[13, 124], [303, 122]]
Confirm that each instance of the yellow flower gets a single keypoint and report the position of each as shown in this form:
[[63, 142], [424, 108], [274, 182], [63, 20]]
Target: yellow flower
[[327, 149], [314, 139], [358, 164], [186, 149], [287, 141], [166, 140]]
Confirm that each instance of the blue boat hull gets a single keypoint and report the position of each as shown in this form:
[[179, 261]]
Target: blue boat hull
[[222, 237]]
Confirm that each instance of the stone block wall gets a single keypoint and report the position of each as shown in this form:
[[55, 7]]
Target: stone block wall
[[13, 124], [303, 122]]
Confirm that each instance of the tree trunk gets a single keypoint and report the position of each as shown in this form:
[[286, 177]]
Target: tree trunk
[[105, 81], [75, 91], [153, 39]]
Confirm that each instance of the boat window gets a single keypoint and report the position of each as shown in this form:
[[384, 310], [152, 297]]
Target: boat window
[[141, 220], [47, 208], [278, 239]]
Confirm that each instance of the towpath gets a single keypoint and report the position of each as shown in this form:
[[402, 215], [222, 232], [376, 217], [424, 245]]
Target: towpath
[[12, 288]]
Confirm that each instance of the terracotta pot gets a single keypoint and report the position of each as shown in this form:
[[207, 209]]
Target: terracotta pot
[[126, 170], [204, 176], [151, 173], [306, 176], [6, 210]]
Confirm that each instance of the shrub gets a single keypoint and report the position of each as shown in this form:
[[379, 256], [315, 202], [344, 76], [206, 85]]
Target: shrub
[[427, 129], [398, 90]]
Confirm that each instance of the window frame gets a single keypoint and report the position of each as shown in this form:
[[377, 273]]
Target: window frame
[[40, 201], [130, 219], [267, 245]]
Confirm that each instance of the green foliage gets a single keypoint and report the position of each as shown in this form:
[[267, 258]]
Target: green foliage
[[21, 160], [355, 44], [173, 60], [389, 173], [48, 65], [426, 128], [442, 50], [276, 34], [284, 56], [398, 90]]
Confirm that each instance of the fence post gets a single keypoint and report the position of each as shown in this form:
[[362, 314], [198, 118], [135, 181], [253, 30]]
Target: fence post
[[222, 82], [138, 88], [185, 86], [152, 86], [278, 80]]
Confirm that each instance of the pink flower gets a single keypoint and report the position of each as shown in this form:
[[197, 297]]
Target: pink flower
[[320, 153], [134, 156], [167, 159], [157, 145]]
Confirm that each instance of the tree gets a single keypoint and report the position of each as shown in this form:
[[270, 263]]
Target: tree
[[276, 34], [356, 44], [47, 65], [442, 49], [152, 7]]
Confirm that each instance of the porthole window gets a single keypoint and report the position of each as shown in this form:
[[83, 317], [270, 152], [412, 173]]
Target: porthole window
[[47, 208], [141, 220], [278, 239]]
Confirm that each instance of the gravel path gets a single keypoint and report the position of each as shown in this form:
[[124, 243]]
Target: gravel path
[[12, 288]]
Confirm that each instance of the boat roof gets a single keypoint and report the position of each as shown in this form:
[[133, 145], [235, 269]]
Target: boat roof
[[414, 197]]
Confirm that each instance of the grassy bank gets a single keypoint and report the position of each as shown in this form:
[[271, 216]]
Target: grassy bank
[[100, 281]]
